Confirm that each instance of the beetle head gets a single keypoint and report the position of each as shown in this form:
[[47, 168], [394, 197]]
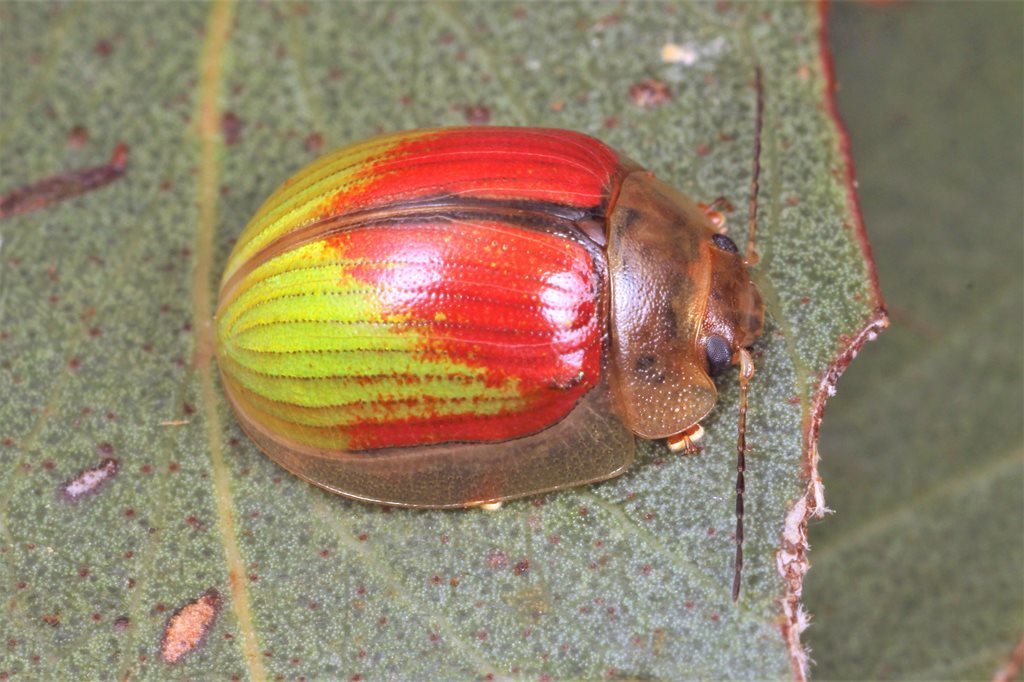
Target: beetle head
[[734, 314]]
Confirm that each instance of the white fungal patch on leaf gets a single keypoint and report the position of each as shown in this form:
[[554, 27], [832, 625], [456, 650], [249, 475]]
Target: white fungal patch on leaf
[[689, 53], [88, 481]]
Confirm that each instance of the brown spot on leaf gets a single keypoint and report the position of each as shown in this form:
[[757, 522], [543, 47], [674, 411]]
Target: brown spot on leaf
[[477, 114], [88, 481], [48, 191], [78, 136], [189, 625], [314, 142], [649, 92], [231, 127], [496, 560]]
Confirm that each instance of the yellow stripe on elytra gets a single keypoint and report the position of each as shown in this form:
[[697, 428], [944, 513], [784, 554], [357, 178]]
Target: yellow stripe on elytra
[[322, 402], [307, 343], [301, 200]]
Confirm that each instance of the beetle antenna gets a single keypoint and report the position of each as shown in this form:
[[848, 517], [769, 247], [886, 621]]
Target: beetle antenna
[[746, 372], [746, 362], [751, 256]]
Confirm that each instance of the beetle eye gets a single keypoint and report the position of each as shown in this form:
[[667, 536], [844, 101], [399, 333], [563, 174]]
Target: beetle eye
[[719, 354], [724, 243]]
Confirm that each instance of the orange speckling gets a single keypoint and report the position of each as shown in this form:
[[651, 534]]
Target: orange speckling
[[189, 625]]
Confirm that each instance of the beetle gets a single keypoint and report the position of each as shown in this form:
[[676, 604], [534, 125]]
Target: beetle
[[456, 317]]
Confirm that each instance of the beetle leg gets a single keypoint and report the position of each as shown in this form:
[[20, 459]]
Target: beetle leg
[[716, 217], [686, 441], [490, 506]]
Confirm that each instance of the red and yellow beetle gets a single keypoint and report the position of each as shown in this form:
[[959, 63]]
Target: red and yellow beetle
[[454, 317]]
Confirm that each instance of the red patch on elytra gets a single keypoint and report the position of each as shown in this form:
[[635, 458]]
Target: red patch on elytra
[[515, 164], [520, 305]]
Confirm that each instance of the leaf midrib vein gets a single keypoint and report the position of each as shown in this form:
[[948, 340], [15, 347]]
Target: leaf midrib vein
[[218, 28]]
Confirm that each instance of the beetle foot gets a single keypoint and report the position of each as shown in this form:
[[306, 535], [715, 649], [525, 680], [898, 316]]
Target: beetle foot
[[686, 442], [490, 506], [716, 217]]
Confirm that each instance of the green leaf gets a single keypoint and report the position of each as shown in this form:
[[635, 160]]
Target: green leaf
[[918, 575], [105, 348]]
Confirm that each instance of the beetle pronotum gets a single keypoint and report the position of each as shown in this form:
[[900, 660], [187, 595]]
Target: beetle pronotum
[[455, 317]]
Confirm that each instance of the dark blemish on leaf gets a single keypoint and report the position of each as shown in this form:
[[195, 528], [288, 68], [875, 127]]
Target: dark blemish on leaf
[[649, 92], [231, 127], [105, 449], [83, 572], [121, 623], [78, 137], [521, 567], [74, 363], [188, 626], [314, 142], [477, 114], [606, 21], [497, 560], [88, 481], [103, 48], [56, 188], [611, 122], [51, 619], [703, 149]]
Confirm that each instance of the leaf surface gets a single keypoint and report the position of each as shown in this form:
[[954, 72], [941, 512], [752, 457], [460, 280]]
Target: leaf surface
[[104, 346], [918, 574]]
